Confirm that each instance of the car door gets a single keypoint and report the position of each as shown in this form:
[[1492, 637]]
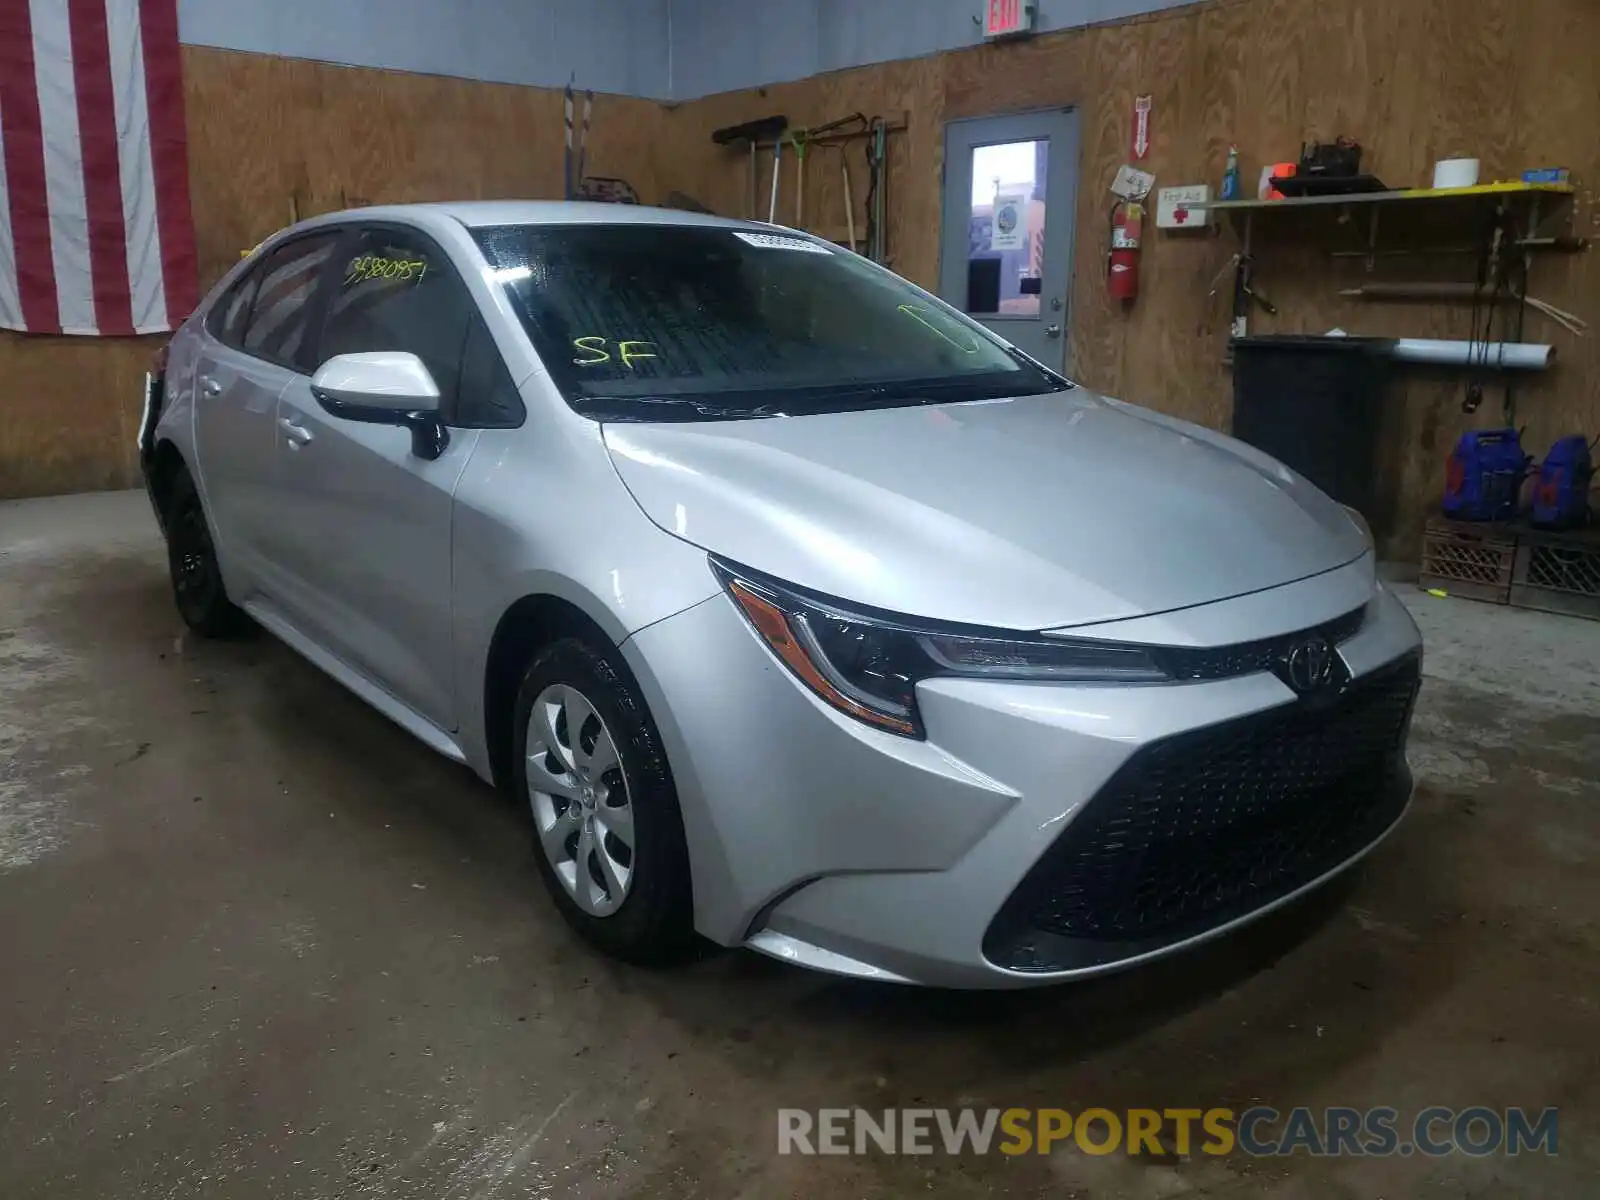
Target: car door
[[370, 518], [247, 357]]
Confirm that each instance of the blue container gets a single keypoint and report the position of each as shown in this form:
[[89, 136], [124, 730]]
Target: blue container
[[1561, 495], [1547, 175], [1484, 475]]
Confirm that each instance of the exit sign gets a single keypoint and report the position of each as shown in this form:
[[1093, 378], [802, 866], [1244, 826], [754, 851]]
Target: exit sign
[[1007, 18]]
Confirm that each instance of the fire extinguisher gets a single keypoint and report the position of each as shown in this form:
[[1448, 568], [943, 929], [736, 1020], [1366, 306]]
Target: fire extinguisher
[[1122, 269]]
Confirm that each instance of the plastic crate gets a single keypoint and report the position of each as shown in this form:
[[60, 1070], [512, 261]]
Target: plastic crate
[[1558, 572], [1466, 558]]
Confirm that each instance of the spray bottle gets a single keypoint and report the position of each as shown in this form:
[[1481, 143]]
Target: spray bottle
[[1230, 177]]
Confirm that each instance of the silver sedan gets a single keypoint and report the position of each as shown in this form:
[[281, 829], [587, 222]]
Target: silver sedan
[[803, 613]]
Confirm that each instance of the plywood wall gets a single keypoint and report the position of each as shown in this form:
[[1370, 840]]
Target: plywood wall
[[1510, 81], [271, 138]]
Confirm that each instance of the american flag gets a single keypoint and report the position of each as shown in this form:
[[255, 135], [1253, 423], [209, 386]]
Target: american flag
[[96, 235]]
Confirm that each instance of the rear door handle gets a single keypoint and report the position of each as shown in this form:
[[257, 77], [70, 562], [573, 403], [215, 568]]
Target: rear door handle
[[210, 386], [298, 435]]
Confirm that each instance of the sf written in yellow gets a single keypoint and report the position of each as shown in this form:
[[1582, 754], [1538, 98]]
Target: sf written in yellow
[[592, 351]]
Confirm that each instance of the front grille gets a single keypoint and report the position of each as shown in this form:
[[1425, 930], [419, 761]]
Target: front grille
[[1244, 658], [1204, 827]]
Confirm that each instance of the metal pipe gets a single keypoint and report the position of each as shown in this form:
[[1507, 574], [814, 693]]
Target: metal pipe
[[1505, 356]]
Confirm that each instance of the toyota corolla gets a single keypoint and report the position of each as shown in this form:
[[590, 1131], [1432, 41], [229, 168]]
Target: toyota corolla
[[801, 612]]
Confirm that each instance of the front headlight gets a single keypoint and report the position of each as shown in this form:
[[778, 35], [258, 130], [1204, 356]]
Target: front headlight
[[869, 664]]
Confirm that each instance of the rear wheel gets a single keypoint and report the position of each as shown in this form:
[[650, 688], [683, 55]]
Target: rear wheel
[[608, 833], [192, 562]]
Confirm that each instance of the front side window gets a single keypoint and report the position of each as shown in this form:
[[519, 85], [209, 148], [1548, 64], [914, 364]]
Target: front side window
[[396, 293], [667, 322], [282, 299], [489, 397]]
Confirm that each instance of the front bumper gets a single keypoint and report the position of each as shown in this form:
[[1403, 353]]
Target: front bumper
[[1005, 850]]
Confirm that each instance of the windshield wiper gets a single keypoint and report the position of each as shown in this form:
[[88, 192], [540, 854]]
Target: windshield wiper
[[796, 402], [1066, 385], [648, 408]]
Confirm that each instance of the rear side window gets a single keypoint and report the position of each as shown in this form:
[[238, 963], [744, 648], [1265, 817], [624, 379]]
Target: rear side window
[[396, 292], [232, 314], [281, 309]]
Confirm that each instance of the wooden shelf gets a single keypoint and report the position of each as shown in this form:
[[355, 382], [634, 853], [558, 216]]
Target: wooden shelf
[[1483, 189], [1242, 214]]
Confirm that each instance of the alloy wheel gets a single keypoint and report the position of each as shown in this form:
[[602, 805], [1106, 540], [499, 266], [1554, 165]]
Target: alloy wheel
[[579, 795], [192, 555]]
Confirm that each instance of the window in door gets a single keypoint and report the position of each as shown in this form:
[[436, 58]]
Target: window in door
[[282, 309], [396, 292], [1005, 240]]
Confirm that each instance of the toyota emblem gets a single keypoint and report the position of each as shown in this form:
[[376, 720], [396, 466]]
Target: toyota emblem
[[1309, 665]]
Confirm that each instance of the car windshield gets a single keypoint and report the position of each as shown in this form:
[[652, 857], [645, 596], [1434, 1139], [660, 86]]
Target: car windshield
[[681, 322]]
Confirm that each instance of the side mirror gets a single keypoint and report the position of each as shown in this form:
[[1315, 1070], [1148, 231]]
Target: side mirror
[[384, 387]]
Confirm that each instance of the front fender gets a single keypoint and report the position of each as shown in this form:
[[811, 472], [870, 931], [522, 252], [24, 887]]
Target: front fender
[[539, 511]]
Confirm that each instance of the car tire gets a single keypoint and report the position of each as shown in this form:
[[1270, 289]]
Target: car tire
[[632, 901], [197, 586]]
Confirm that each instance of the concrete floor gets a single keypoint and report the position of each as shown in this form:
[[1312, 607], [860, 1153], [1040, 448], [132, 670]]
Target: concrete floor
[[257, 942]]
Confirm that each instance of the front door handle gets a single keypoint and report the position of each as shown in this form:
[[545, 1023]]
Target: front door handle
[[298, 435], [210, 386], [1052, 331]]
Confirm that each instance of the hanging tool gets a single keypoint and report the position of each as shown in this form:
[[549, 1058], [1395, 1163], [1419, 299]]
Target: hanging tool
[[1466, 291], [777, 164], [813, 134], [877, 190], [881, 146], [1242, 267], [566, 141], [1491, 283], [575, 140], [871, 239], [752, 133], [849, 204], [583, 134], [798, 139]]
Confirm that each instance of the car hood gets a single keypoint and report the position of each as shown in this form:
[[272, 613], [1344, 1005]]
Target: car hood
[[1030, 513]]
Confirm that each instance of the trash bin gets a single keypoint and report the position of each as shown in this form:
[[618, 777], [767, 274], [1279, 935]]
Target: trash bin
[[1315, 403]]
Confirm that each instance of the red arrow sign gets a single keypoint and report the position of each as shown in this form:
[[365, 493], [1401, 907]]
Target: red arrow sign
[[1141, 126]]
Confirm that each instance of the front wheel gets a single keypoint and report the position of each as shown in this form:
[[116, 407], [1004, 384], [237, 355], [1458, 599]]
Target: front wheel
[[192, 562], [608, 832]]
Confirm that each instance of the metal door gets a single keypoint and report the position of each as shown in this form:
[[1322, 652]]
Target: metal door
[[370, 555], [1010, 193]]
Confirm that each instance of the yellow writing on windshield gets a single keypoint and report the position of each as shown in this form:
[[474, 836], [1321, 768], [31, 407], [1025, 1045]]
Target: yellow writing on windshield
[[920, 313], [593, 352], [632, 350], [595, 348], [376, 266]]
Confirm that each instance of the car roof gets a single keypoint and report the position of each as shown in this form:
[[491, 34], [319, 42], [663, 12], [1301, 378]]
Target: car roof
[[476, 214]]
